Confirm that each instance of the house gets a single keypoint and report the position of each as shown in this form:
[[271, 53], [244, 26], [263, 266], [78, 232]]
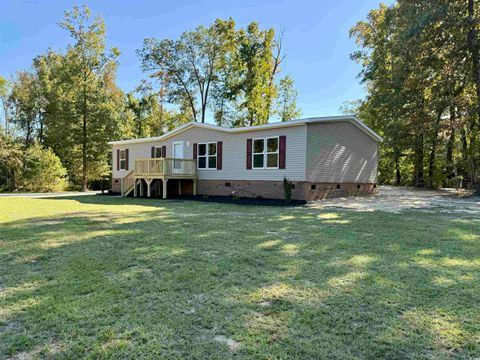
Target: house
[[322, 157]]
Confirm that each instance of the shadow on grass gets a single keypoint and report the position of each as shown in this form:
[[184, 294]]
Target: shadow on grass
[[282, 282], [103, 199]]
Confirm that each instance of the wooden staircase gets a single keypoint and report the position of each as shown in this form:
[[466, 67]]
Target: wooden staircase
[[128, 183], [158, 168]]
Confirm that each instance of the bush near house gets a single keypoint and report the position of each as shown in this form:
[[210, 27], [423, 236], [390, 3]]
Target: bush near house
[[287, 189]]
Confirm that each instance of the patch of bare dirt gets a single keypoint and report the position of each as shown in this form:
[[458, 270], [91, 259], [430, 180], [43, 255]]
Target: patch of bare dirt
[[232, 344], [397, 199]]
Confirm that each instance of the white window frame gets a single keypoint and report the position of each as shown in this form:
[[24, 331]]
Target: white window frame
[[155, 153], [265, 153], [207, 155], [122, 160]]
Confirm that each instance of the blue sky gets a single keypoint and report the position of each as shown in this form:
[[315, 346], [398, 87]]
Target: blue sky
[[316, 37]]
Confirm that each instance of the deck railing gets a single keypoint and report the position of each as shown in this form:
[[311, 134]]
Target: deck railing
[[127, 182], [171, 167]]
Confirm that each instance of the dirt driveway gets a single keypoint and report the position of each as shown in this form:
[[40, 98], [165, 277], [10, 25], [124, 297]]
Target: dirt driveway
[[397, 199]]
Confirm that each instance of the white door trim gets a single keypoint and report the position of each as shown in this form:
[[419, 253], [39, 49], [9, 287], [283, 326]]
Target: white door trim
[[177, 165]]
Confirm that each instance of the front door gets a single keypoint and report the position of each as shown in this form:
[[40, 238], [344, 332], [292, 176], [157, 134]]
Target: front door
[[177, 152]]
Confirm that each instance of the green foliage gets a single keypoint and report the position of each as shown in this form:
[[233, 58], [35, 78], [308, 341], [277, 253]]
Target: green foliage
[[42, 170], [256, 56], [28, 101], [5, 104], [416, 60], [188, 66], [11, 160], [84, 103], [287, 100], [68, 101], [146, 114], [231, 72]]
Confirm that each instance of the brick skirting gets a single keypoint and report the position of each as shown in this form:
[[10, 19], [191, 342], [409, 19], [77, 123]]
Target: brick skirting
[[302, 190], [116, 185]]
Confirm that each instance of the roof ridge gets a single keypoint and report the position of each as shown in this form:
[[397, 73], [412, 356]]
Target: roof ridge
[[296, 122]]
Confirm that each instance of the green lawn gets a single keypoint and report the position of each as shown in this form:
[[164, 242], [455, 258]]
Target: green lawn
[[103, 277]]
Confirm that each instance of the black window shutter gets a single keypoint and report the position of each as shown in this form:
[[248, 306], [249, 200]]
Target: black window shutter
[[118, 159], [249, 154], [282, 152], [219, 154]]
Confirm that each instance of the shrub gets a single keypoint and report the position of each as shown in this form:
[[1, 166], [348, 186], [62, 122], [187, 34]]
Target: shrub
[[455, 182], [287, 189], [42, 170], [11, 156]]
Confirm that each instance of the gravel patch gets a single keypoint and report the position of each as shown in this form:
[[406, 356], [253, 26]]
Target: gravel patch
[[398, 199]]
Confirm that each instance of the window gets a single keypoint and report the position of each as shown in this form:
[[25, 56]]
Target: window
[[207, 155], [265, 153], [158, 152], [123, 159]]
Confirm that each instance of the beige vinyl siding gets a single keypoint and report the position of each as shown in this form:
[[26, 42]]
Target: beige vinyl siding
[[340, 152], [234, 153]]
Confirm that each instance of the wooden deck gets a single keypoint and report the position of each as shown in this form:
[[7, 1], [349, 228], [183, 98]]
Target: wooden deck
[[159, 168]]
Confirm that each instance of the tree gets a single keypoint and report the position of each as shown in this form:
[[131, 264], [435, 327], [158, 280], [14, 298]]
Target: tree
[[84, 83], [287, 100], [42, 170], [420, 87], [188, 65], [146, 113], [230, 72], [10, 162], [257, 89], [139, 109], [4, 102], [27, 101]]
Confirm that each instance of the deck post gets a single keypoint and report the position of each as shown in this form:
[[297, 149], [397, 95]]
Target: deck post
[[194, 187], [164, 166], [179, 187], [141, 188], [135, 188], [149, 187], [164, 192]]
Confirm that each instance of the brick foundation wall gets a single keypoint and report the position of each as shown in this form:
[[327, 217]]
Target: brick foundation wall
[[116, 185], [274, 189]]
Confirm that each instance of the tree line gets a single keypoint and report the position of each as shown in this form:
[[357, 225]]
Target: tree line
[[67, 106], [421, 65]]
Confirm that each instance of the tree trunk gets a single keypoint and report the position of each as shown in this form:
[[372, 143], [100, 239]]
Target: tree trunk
[[204, 110], [474, 50], [419, 156], [451, 167], [84, 140], [433, 150], [473, 47], [27, 136], [398, 175], [40, 135]]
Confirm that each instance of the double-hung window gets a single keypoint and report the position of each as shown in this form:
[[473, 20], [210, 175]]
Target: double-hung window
[[207, 155], [123, 159], [265, 153]]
